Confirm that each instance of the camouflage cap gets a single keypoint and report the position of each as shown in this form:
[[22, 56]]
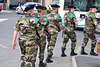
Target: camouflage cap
[[29, 7]]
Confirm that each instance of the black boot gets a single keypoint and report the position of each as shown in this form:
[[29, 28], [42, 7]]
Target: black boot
[[93, 53], [63, 54], [49, 60], [50, 56], [41, 64], [33, 64], [73, 53], [83, 52]]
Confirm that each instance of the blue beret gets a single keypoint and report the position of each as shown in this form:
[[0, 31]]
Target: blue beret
[[72, 6], [41, 7], [29, 7], [55, 5]]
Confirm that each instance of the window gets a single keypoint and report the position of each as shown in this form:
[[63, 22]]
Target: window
[[80, 4], [97, 3], [83, 5]]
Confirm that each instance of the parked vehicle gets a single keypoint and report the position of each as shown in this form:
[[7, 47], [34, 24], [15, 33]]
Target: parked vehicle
[[13, 4], [97, 28], [20, 9], [0, 6]]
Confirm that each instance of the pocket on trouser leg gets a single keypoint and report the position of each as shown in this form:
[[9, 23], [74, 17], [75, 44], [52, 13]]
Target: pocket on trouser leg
[[27, 64]]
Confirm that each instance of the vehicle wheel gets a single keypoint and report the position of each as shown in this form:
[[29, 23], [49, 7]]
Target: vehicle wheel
[[18, 13]]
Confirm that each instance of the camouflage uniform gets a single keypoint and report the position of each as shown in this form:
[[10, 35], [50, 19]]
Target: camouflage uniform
[[54, 22], [89, 30], [42, 40], [26, 26], [69, 30]]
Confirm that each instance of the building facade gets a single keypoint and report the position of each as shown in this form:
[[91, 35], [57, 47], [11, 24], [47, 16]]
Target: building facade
[[16, 2]]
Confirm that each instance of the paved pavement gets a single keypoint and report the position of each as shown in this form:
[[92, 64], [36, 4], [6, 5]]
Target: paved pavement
[[86, 61], [11, 58]]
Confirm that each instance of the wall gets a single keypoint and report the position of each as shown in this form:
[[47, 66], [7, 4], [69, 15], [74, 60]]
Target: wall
[[48, 2]]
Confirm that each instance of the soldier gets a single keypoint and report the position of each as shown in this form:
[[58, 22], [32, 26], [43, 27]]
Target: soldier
[[55, 24], [26, 26], [90, 22], [70, 22], [42, 41]]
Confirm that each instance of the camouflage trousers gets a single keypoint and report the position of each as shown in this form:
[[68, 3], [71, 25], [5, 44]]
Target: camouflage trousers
[[42, 45], [68, 35], [51, 43], [29, 49], [90, 35]]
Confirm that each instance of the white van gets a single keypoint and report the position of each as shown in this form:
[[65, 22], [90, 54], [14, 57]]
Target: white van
[[82, 7]]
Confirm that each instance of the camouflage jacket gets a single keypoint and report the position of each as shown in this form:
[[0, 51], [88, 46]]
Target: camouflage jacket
[[27, 27], [70, 20], [44, 24], [54, 22], [89, 22]]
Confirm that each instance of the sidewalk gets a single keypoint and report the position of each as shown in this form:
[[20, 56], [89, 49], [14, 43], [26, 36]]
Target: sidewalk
[[85, 61]]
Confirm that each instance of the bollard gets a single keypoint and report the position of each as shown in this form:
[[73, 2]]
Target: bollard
[[98, 45]]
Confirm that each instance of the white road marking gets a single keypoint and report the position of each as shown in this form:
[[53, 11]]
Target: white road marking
[[1, 20]]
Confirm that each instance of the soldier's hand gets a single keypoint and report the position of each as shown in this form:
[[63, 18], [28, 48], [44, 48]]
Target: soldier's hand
[[14, 45], [95, 22], [49, 28], [76, 23], [60, 26]]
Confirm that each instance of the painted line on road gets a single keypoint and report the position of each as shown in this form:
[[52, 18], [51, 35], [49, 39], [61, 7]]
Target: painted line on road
[[3, 46], [1, 20], [6, 11], [7, 47]]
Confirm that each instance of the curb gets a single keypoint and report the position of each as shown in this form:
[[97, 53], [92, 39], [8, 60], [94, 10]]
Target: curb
[[74, 64]]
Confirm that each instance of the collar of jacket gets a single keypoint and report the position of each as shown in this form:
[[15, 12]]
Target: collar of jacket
[[28, 15]]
